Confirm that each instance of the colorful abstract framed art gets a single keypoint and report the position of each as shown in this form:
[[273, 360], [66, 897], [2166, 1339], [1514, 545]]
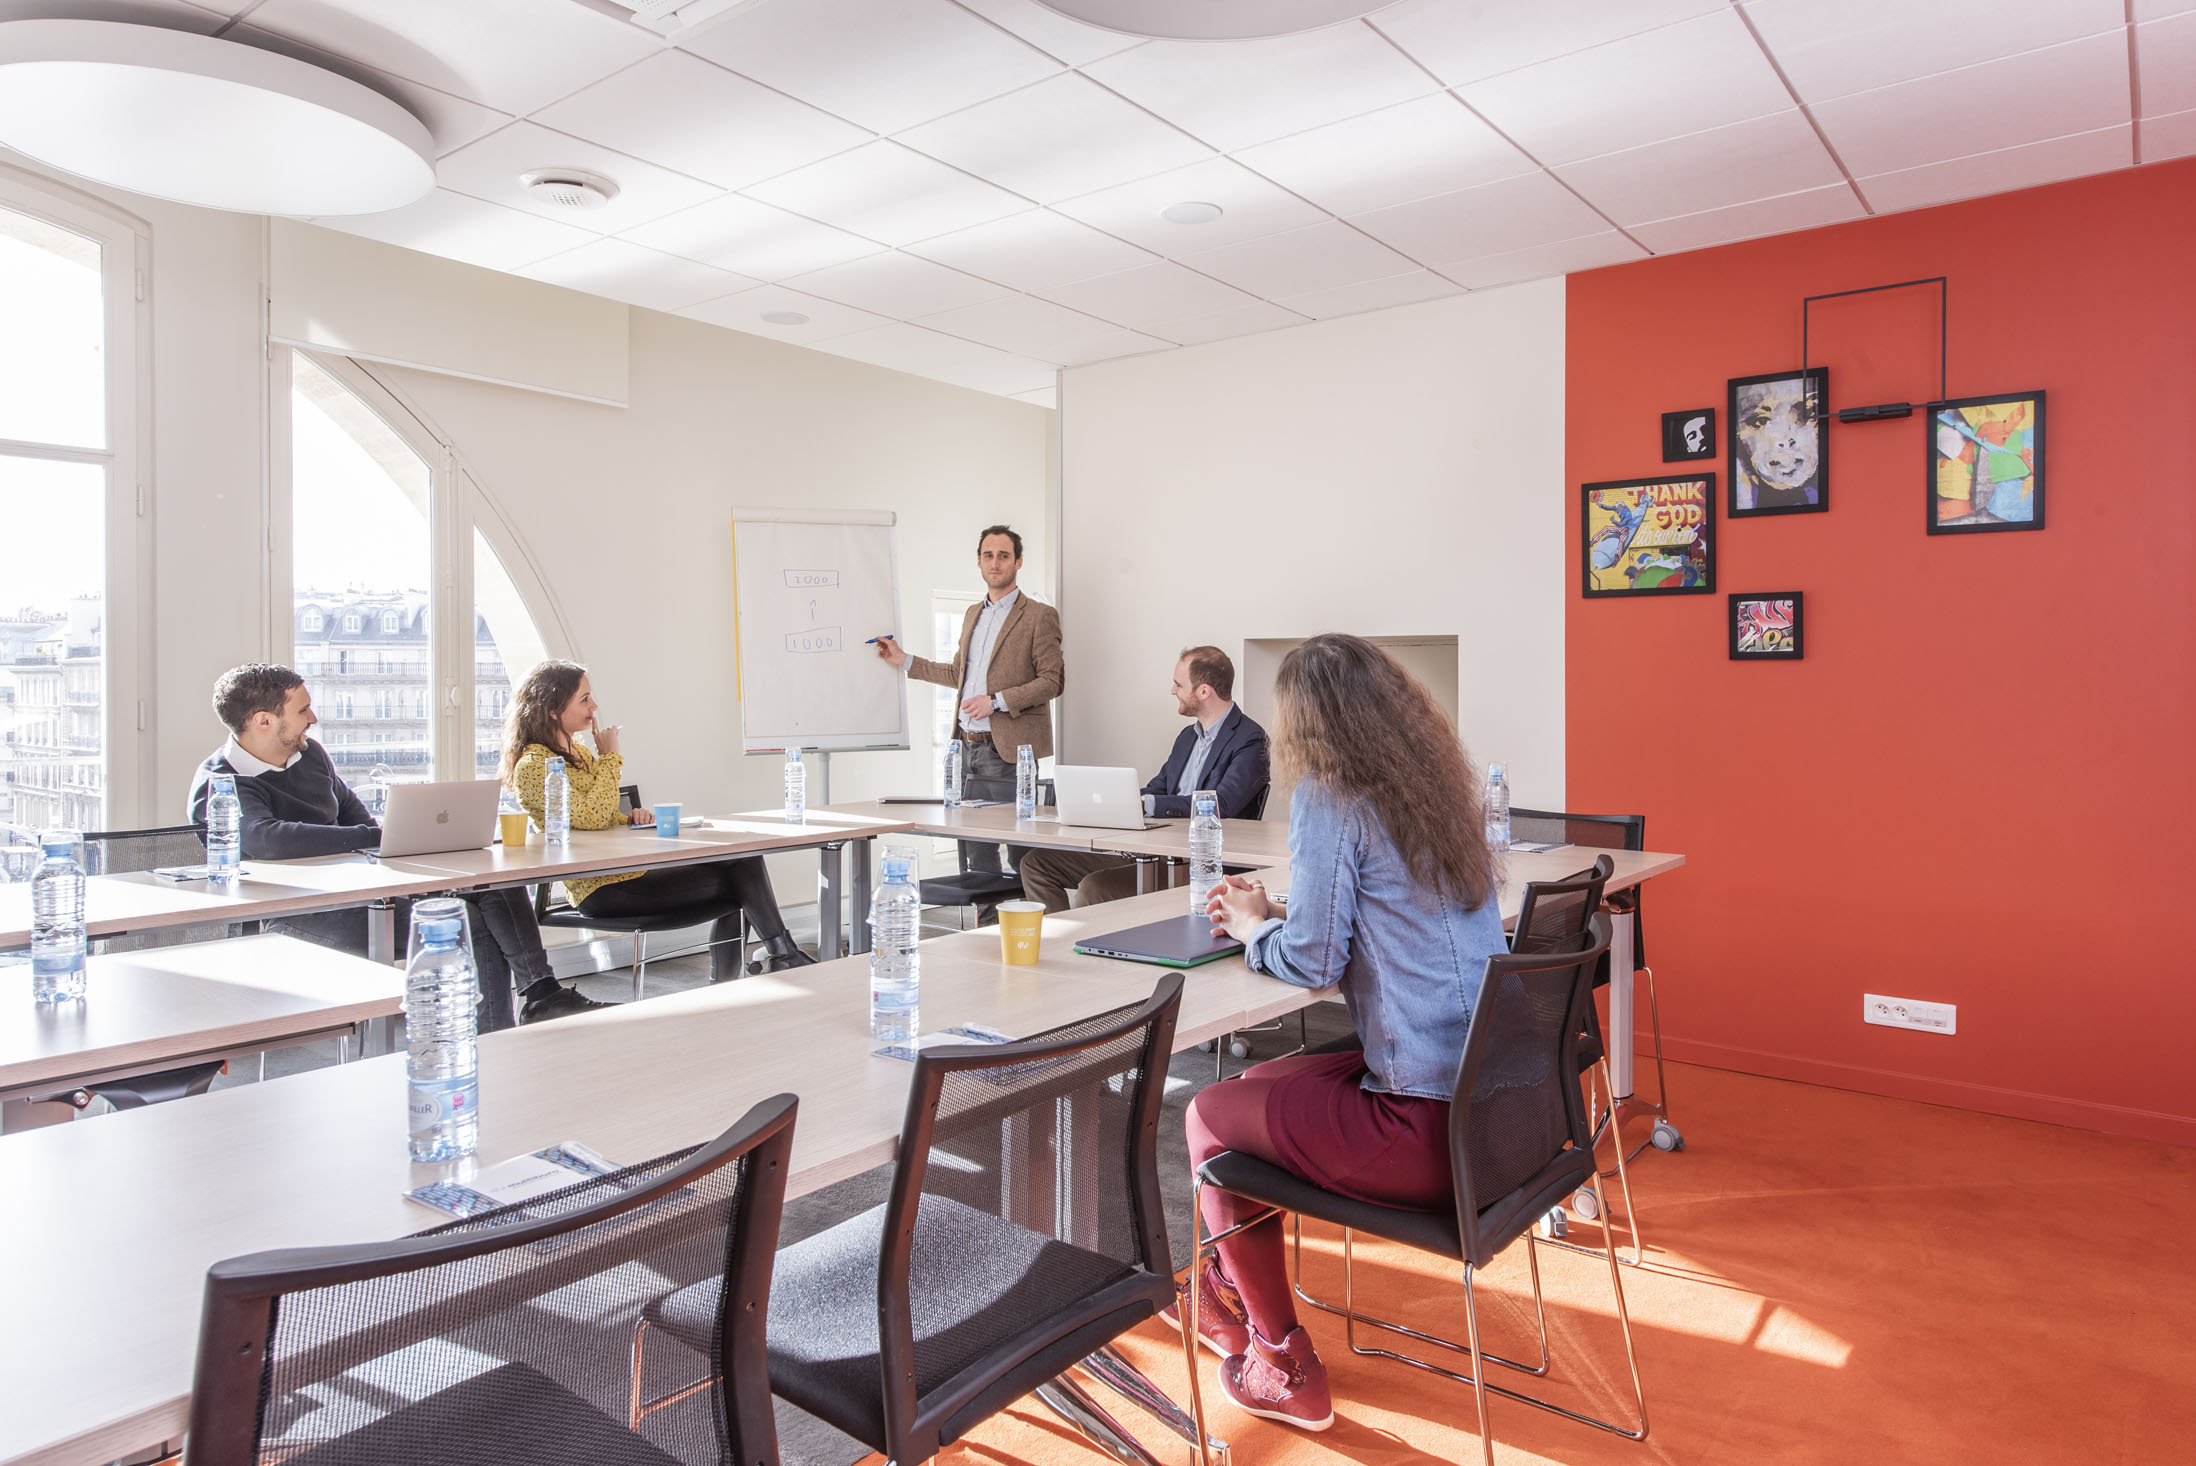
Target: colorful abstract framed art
[[1768, 626], [1780, 443], [1986, 464], [1648, 537]]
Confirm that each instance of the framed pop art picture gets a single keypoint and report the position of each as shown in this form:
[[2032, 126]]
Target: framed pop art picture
[[1986, 464], [1768, 626], [1780, 443], [1689, 434], [1648, 537]]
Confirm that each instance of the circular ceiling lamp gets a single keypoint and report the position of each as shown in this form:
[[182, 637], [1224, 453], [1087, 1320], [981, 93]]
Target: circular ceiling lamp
[[1213, 20], [186, 117]]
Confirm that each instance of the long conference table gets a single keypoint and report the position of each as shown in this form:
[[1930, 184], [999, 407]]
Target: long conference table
[[109, 1225]]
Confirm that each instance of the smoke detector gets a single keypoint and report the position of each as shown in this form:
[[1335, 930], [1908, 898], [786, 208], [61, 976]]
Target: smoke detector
[[569, 188]]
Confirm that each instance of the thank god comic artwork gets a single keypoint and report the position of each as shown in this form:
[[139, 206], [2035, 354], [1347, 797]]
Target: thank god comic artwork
[[1648, 536]]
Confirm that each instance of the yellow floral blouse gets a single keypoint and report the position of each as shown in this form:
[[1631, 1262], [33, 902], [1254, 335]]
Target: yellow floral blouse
[[594, 801]]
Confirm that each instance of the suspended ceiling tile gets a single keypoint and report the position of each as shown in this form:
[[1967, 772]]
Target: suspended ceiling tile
[[1469, 40], [512, 55], [1320, 256], [452, 121], [491, 169], [752, 238], [898, 285], [1242, 320], [1033, 251], [1544, 261], [458, 227], [943, 358], [1807, 209], [645, 277], [1833, 50], [889, 193], [2002, 170], [2166, 54], [1688, 77], [886, 64], [1233, 94], [2172, 136], [2057, 92], [1763, 158], [745, 312], [1250, 206], [1517, 213], [1414, 150], [1037, 328], [2160, 9], [683, 113], [1371, 295], [1051, 32], [1143, 297], [1062, 137]]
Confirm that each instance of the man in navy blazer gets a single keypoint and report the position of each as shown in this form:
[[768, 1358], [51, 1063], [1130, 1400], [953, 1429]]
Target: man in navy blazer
[[1221, 750]]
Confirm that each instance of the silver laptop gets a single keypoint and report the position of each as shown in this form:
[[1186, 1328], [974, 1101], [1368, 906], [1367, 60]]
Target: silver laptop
[[428, 819], [1086, 794]]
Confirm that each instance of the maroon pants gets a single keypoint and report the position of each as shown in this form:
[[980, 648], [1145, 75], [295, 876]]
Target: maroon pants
[[1309, 1115]]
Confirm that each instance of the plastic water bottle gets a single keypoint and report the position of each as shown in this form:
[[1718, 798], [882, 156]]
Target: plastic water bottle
[[895, 965], [1025, 783], [796, 788], [224, 829], [956, 763], [57, 920], [1498, 808], [1206, 833], [556, 805], [442, 1058]]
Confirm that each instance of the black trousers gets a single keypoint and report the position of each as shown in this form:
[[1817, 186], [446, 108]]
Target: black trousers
[[507, 953], [745, 881]]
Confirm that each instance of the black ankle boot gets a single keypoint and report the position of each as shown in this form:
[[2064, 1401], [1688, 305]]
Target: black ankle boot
[[779, 954]]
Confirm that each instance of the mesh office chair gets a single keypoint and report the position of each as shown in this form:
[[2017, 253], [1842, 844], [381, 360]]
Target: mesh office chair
[[1614, 832], [480, 1343], [1023, 1231], [1519, 1142]]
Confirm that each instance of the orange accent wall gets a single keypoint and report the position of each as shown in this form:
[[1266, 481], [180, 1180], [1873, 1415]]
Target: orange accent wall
[[1979, 787]]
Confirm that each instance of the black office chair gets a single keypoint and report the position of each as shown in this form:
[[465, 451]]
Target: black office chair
[[726, 920], [1614, 832], [476, 1341], [980, 891], [1023, 1231], [1519, 1142]]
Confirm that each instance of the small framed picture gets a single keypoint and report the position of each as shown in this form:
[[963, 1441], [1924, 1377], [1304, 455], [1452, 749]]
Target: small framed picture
[[1768, 626], [1780, 443], [1688, 434], [1648, 537], [1986, 464]]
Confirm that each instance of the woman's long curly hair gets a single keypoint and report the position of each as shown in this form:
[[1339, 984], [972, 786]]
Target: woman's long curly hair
[[1352, 720], [535, 715]]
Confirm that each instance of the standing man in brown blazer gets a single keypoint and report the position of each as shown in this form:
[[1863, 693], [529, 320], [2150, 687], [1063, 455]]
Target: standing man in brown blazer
[[1008, 670]]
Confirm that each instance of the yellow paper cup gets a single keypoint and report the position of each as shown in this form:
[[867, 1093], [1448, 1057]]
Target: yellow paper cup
[[1021, 928], [514, 828]]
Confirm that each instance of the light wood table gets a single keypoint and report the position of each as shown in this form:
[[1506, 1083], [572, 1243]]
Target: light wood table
[[168, 1006], [154, 1196]]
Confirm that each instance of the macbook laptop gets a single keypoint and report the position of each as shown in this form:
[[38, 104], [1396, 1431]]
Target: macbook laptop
[[1086, 794], [428, 819], [1178, 941]]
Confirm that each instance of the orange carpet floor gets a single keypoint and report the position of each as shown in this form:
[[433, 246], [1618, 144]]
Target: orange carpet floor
[[1830, 1277]]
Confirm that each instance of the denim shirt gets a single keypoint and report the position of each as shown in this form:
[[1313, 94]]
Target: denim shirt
[[1408, 960]]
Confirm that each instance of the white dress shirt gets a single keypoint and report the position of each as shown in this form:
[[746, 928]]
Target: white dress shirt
[[980, 646], [232, 753]]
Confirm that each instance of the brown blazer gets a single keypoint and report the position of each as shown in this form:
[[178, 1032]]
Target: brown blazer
[[1027, 671]]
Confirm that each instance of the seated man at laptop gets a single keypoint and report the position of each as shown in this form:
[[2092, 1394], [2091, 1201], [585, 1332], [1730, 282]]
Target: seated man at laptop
[[295, 805], [1221, 750]]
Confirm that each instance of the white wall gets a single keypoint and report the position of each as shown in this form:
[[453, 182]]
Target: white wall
[[1392, 474]]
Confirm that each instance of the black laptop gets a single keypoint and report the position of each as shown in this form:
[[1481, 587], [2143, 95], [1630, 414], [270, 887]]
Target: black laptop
[[1178, 941]]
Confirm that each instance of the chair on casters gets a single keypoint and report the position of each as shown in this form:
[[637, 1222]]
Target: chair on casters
[[1614, 832], [727, 922], [1022, 1233], [1519, 1141], [374, 1353]]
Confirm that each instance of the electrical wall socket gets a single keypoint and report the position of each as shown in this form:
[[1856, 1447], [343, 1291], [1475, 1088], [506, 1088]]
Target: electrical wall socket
[[1910, 1013]]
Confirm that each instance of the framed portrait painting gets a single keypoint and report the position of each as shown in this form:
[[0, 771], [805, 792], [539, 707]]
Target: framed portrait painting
[[1768, 626], [1648, 537], [1780, 443], [1986, 464], [1689, 434]]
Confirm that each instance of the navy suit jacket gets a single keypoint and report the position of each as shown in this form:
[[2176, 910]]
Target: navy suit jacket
[[1235, 769]]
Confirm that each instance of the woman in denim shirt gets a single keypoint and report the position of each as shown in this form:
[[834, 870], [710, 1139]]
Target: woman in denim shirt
[[1392, 900]]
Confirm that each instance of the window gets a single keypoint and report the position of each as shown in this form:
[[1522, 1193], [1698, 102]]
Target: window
[[70, 648], [947, 610], [390, 623], [351, 622], [312, 620]]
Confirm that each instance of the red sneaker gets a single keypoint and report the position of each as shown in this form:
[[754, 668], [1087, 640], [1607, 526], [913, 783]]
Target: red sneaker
[[1222, 1326], [1284, 1382]]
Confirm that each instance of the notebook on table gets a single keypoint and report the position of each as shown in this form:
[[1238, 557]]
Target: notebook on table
[[1177, 941]]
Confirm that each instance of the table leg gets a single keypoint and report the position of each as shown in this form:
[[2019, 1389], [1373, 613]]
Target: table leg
[[1619, 1036], [381, 930], [1147, 874], [830, 862], [859, 939]]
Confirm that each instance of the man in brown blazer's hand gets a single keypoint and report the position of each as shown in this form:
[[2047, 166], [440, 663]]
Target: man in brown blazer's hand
[[1008, 669]]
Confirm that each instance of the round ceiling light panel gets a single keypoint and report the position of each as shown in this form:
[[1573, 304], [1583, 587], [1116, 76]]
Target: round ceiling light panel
[[1213, 20], [185, 117], [1191, 211]]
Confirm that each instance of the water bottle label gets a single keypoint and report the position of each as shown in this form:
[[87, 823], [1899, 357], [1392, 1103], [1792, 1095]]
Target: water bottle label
[[438, 1102]]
